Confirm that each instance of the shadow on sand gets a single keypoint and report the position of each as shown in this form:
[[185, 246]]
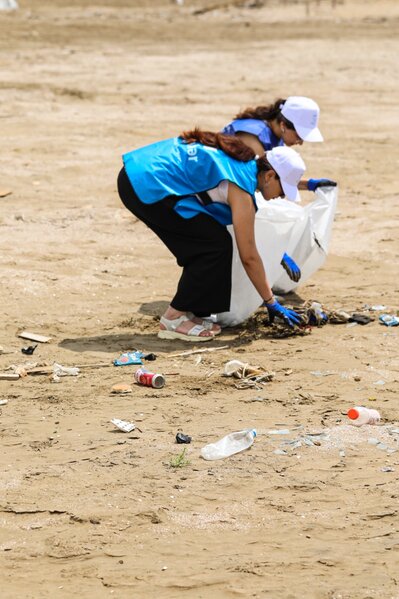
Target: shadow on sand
[[121, 342], [146, 341]]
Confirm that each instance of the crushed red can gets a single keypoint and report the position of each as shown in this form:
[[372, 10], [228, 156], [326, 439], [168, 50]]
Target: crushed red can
[[150, 379]]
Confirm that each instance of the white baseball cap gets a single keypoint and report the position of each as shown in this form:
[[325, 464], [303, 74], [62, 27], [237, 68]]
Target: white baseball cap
[[304, 115], [290, 168]]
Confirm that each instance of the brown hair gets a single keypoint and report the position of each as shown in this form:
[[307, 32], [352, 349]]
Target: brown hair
[[229, 144], [266, 113]]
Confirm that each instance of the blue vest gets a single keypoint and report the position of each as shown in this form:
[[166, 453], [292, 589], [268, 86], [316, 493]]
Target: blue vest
[[175, 168], [256, 127]]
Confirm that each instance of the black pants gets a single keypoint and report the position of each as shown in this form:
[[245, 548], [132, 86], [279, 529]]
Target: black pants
[[201, 246]]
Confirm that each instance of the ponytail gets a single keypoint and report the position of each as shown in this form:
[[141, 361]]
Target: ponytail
[[267, 113], [229, 144], [263, 113]]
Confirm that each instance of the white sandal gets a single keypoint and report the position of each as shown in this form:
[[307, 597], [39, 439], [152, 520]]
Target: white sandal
[[192, 335], [207, 324]]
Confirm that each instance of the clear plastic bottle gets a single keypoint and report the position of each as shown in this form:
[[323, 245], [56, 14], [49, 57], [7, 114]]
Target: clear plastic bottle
[[360, 415], [230, 444]]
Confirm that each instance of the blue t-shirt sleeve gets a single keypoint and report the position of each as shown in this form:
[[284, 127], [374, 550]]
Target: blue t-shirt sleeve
[[255, 127]]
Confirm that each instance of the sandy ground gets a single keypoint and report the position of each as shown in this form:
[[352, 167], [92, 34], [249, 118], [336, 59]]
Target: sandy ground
[[89, 511]]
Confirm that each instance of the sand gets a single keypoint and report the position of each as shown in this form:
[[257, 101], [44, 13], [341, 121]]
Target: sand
[[90, 511]]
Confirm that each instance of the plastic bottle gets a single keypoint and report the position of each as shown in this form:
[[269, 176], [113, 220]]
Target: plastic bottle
[[230, 444], [360, 415]]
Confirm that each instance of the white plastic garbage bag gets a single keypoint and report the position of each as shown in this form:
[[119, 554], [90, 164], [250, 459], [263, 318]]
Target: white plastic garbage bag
[[282, 227], [8, 5]]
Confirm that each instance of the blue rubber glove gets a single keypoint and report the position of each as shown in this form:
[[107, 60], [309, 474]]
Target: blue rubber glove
[[290, 317], [291, 268], [313, 184]]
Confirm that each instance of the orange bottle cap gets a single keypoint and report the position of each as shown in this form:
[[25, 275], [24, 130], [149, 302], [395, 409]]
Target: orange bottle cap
[[353, 414]]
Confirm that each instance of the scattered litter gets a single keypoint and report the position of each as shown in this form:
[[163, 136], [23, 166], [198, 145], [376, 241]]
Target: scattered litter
[[150, 357], [3, 402], [389, 320], [229, 445], [387, 469], [4, 192], [259, 327], [21, 369], [373, 441], [281, 431], [341, 437], [338, 317], [372, 399], [322, 373], [379, 382], [308, 441], [361, 318], [351, 325], [316, 316], [198, 360], [34, 337], [210, 373], [361, 415], [296, 444], [43, 370], [7, 376], [255, 382], [312, 314], [345, 435], [378, 308], [121, 388], [191, 352], [128, 358], [240, 370], [382, 446], [28, 351], [232, 367], [249, 375], [59, 371], [149, 379], [181, 438], [123, 425]]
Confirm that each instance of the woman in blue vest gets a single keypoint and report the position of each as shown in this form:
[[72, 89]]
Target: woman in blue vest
[[285, 122], [187, 189]]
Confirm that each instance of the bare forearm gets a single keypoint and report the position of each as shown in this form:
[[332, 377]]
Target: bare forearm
[[256, 272], [303, 184]]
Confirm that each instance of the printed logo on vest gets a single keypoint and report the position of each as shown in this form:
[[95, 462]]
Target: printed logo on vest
[[192, 152]]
